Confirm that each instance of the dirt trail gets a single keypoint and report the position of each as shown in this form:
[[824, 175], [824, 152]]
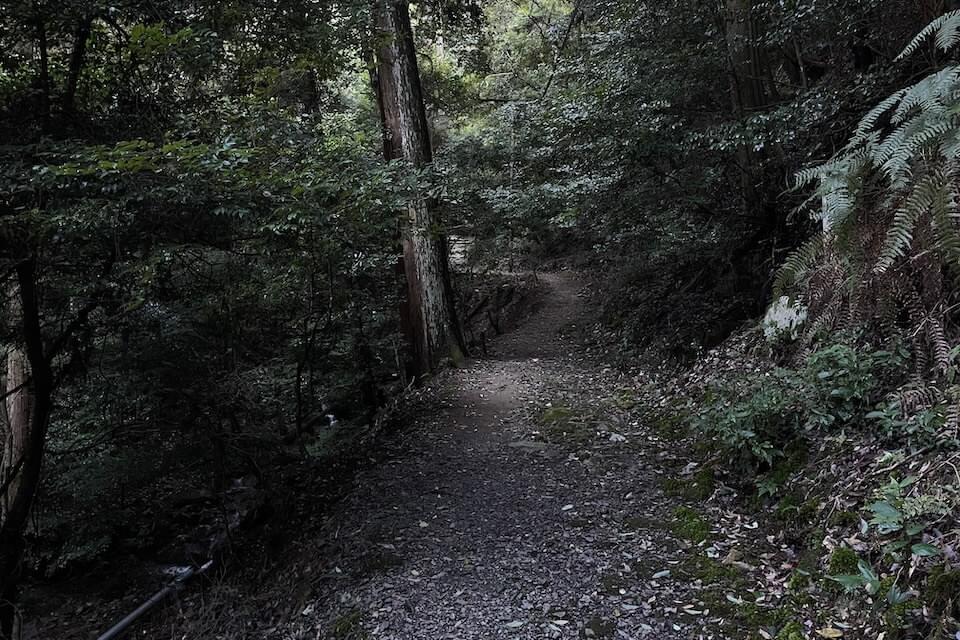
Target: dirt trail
[[524, 504]]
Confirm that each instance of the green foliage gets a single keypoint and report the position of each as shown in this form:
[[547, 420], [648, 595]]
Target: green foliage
[[843, 560], [757, 418], [903, 516], [945, 30], [887, 206]]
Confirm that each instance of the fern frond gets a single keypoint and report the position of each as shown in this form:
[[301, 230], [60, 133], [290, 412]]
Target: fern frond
[[940, 346], [869, 121], [898, 239], [932, 189], [946, 29], [799, 263], [928, 94], [944, 218]]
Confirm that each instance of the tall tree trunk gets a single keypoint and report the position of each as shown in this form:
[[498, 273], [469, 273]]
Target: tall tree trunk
[[81, 35], [430, 321], [32, 405], [747, 74]]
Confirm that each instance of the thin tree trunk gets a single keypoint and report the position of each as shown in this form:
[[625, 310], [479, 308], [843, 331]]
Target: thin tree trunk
[[44, 79], [81, 35], [430, 322]]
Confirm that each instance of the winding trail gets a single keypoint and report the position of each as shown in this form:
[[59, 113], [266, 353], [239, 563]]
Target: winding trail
[[523, 504]]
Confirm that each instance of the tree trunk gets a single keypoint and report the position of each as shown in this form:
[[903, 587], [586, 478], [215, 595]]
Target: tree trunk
[[18, 406], [430, 322], [44, 78], [81, 35], [31, 407], [747, 74]]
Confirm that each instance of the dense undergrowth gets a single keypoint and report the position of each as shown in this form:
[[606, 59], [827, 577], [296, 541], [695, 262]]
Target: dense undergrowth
[[860, 495], [837, 416]]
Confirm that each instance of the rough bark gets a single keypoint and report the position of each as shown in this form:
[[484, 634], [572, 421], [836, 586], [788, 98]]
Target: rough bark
[[18, 407], [429, 319], [35, 403]]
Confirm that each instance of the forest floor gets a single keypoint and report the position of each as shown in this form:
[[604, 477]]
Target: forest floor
[[525, 501]]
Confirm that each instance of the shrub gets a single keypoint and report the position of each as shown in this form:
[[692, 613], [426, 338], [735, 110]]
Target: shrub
[[757, 419]]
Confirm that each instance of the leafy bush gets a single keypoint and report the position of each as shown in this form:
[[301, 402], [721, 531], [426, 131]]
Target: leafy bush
[[759, 418]]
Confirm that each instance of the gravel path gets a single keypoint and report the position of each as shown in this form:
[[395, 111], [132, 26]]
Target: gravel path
[[524, 504]]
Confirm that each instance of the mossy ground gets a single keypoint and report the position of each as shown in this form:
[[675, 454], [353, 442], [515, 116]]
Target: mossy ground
[[564, 425], [793, 510], [557, 415], [725, 591], [942, 592], [689, 525], [670, 426], [698, 487], [843, 561]]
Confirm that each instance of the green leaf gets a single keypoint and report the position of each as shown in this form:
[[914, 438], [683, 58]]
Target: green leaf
[[924, 550], [849, 582], [895, 596]]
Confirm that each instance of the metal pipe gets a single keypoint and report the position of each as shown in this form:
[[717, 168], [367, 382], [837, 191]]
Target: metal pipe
[[156, 599]]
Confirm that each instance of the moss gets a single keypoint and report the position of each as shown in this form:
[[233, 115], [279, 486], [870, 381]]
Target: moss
[[625, 399], [689, 525], [349, 627], [557, 415], [457, 358], [845, 518], [843, 561], [713, 573], [793, 630], [941, 592], [799, 580], [795, 511], [563, 425], [638, 523], [814, 544], [699, 487], [669, 426]]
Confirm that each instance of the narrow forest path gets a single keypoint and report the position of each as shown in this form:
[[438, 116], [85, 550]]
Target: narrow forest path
[[526, 503]]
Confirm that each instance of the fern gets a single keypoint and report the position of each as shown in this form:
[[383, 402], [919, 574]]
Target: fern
[[932, 194], [798, 264], [865, 128], [890, 210], [899, 237], [945, 29]]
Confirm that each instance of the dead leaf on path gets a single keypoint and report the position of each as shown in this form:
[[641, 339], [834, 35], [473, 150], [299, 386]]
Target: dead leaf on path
[[830, 632]]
